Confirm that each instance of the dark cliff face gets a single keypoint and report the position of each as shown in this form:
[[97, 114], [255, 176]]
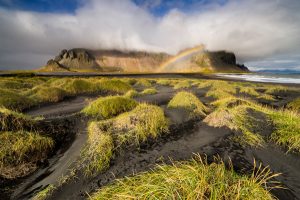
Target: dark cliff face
[[141, 61]]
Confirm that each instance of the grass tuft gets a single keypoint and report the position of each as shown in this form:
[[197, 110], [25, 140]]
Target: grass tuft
[[149, 91], [189, 180], [189, 102], [21, 148], [107, 107], [294, 105]]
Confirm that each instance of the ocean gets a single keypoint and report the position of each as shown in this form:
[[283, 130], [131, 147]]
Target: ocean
[[265, 77]]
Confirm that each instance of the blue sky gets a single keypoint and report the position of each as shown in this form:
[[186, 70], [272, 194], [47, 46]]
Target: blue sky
[[156, 7], [262, 33]]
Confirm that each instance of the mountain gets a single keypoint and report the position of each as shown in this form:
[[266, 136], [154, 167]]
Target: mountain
[[195, 59]]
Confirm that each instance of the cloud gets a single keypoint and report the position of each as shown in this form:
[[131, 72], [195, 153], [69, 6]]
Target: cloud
[[253, 29]]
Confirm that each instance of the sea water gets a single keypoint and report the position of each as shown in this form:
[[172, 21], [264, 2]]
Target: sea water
[[265, 77]]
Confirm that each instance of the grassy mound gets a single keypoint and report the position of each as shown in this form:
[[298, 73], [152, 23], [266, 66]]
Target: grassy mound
[[219, 89], [107, 107], [182, 84], [130, 128], [100, 150], [189, 102], [114, 85], [143, 82], [189, 180], [20, 151], [10, 120], [287, 128], [48, 94], [165, 82], [149, 91], [294, 105], [131, 94], [14, 101]]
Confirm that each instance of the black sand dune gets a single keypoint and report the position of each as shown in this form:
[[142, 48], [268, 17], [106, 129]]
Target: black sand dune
[[186, 138]]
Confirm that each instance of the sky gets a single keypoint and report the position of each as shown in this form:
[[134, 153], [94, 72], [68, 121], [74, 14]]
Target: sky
[[264, 34]]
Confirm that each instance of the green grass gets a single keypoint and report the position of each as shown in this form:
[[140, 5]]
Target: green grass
[[219, 89], [143, 82], [13, 121], [107, 107], [45, 193], [19, 148], [47, 94], [249, 90], [189, 102], [193, 179], [165, 82], [294, 105], [149, 91], [182, 84], [14, 101], [114, 85], [99, 151], [130, 128], [131, 94], [287, 128], [236, 114]]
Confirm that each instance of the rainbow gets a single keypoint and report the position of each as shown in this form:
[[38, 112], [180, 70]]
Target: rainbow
[[178, 56]]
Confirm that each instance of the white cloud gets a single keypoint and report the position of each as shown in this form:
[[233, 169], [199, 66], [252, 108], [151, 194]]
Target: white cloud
[[253, 29]]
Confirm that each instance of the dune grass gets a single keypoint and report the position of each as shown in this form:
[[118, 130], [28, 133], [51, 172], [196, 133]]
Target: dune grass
[[45, 193], [143, 82], [219, 89], [130, 128], [181, 84], [294, 105], [131, 94], [165, 82], [100, 149], [149, 91], [189, 102], [107, 107], [21, 148], [114, 85], [243, 115], [14, 101], [287, 128], [44, 94], [193, 179], [13, 121], [250, 91]]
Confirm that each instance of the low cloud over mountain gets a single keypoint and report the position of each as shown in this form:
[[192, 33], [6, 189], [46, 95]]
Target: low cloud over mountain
[[253, 29]]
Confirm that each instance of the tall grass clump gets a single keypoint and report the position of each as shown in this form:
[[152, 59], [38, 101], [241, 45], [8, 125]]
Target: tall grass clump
[[131, 94], [130, 128], [107, 107], [114, 85], [220, 89], [149, 91], [165, 82], [13, 121], [43, 94], [287, 128], [20, 151], [182, 84], [189, 102], [294, 105], [14, 101], [99, 151], [143, 82], [249, 91], [193, 179], [240, 115]]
